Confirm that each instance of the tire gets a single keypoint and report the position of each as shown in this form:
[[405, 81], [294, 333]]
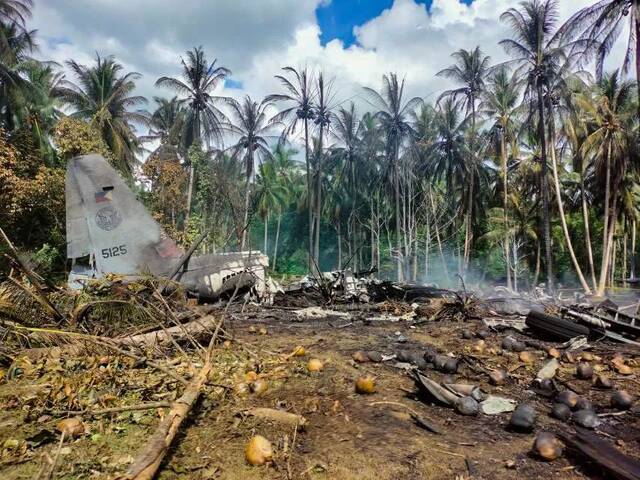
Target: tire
[[554, 327]]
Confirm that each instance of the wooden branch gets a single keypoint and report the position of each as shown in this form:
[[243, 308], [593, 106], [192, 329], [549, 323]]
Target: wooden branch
[[148, 461], [160, 337], [106, 411]]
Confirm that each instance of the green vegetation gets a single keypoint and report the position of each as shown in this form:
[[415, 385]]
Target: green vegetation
[[520, 173]]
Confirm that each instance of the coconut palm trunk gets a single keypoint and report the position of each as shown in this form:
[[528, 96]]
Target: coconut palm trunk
[[505, 203], [587, 229], [266, 233], [318, 208], [275, 247], [632, 274], [247, 196], [309, 196], [469, 230], [398, 212], [605, 230], [636, 27], [563, 219], [544, 187]]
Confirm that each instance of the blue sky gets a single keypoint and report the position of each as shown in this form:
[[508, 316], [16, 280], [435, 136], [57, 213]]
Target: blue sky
[[337, 19]]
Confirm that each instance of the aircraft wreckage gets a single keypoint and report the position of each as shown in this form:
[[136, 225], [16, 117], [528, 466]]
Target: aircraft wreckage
[[110, 231]]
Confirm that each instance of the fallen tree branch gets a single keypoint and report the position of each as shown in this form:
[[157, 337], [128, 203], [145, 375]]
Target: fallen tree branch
[[106, 411], [165, 335], [148, 461]]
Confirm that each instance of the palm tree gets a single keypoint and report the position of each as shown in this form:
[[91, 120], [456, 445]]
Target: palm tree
[[272, 194], [42, 104], [470, 72], [19, 44], [250, 124], [12, 13], [394, 114], [611, 140], [575, 132], [601, 24], [540, 55], [197, 83], [286, 170], [500, 104], [166, 122], [103, 96], [203, 120], [346, 130], [322, 119], [299, 98]]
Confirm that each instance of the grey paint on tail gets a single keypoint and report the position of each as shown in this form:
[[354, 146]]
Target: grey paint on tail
[[105, 220]]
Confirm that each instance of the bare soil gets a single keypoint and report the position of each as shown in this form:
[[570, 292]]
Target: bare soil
[[348, 435]]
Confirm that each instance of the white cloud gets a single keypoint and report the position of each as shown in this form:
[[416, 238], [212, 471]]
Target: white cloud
[[256, 39]]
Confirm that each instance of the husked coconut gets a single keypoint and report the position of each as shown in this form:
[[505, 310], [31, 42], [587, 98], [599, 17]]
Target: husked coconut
[[547, 446], [258, 451]]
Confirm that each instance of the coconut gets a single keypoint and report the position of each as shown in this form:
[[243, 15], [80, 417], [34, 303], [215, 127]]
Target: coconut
[[622, 400], [258, 451], [439, 361], [429, 355], [360, 356], [584, 404], [508, 342], [241, 389], [299, 351], [375, 357], [523, 418], [568, 397], [419, 362], [479, 346], [553, 352], [587, 356], [527, 357], [547, 446], [259, 386], [365, 384], [497, 377], [467, 406], [603, 381], [467, 334], [584, 371], [586, 418], [624, 369], [451, 365], [71, 427], [404, 356], [483, 334], [315, 365], [561, 412]]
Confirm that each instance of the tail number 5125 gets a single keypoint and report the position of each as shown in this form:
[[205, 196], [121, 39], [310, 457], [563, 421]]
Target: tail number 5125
[[118, 251]]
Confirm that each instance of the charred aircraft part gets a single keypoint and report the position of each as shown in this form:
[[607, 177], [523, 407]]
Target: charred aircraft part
[[110, 231]]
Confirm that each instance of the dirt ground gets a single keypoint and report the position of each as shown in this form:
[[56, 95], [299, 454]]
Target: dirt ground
[[347, 435]]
